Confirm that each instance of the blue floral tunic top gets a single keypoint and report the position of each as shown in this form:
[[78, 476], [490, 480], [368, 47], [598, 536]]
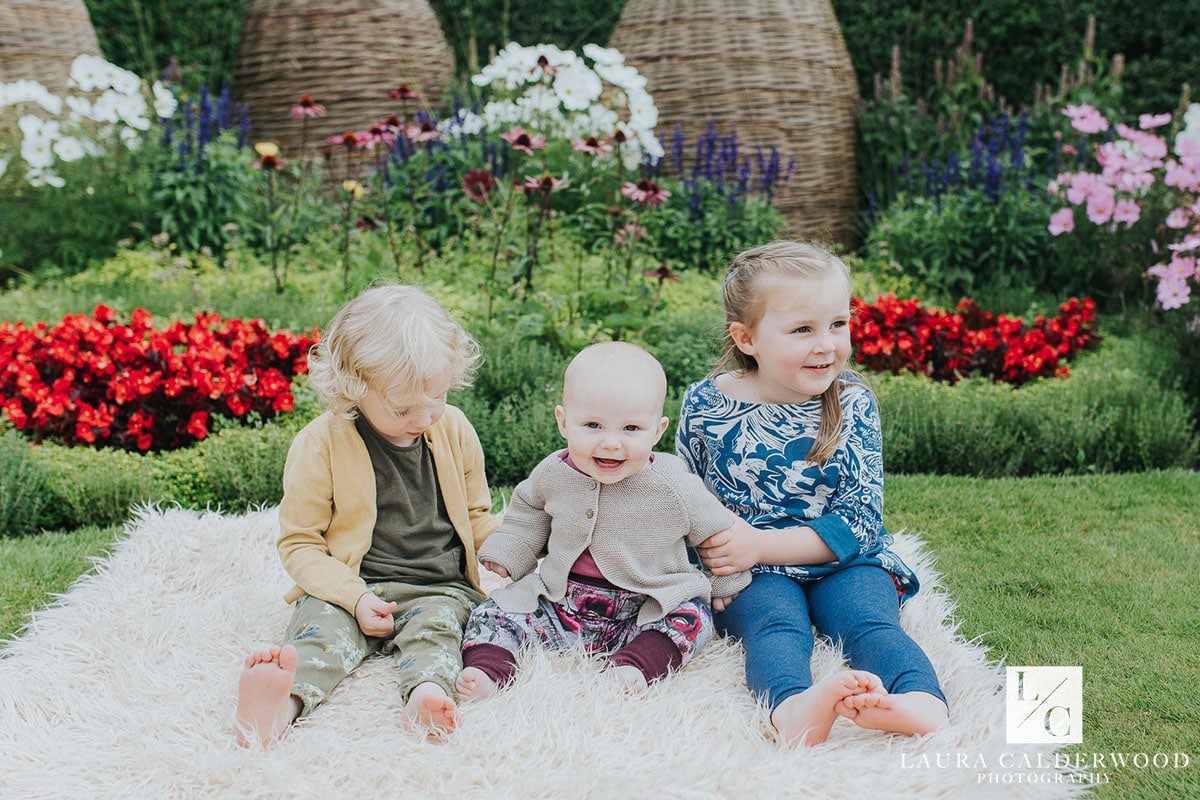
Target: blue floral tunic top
[[752, 457]]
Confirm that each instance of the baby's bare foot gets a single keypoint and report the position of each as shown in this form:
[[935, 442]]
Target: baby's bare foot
[[474, 684], [806, 718], [265, 705], [630, 678], [430, 706], [910, 713]]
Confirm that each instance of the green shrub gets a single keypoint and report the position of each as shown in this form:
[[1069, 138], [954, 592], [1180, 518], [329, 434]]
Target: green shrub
[[518, 433], [23, 495], [93, 487]]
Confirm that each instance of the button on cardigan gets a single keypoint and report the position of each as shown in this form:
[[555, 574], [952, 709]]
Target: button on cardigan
[[327, 515], [637, 530]]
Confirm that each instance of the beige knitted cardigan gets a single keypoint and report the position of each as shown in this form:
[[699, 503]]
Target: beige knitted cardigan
[[637, 530]]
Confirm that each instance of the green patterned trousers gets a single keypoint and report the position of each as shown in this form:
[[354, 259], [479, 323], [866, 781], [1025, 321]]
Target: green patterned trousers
[[426, 639]]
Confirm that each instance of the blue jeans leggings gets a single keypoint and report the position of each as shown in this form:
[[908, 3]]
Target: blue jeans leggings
[[857, 606]]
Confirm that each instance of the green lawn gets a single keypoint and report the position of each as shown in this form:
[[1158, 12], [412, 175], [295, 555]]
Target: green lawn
[[1098, 571]]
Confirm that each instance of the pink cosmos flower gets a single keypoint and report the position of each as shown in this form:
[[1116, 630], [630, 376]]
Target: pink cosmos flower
[[1177, 219], [307, 107], [645, 192], [546, 183], [1173, 294], [1126, 211], [520, 139], [1069, 149], [1100, 206], [1189, 152], [1152, 147], [1062, 221], [1181, 177], [1148, 121], [1086, 119], [591, 145], [425, 132]]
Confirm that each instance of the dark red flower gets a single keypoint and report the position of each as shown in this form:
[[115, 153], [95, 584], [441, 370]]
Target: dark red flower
[[403, 92], [478, 185]]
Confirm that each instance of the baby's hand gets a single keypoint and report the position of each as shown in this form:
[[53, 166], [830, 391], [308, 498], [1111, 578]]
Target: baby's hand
[[492, 566], [374, 616], [734, 549], [719, 604]]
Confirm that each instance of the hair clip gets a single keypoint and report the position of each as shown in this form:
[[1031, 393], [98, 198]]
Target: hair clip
[[729, 278]]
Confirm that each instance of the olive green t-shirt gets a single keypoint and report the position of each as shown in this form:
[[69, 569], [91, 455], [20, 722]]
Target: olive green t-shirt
[[414, 540]]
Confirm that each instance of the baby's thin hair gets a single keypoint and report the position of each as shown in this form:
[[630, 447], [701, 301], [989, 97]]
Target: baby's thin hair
[[393, 339], [745, 299]]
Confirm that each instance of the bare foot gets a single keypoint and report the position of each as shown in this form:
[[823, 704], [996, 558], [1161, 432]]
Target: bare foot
[[910, 713], [265, 703], [474, 684], [806, 718], [630, 678], [430, 706]]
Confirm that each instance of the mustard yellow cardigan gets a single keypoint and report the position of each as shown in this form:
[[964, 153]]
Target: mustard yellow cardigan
[[328, 510]]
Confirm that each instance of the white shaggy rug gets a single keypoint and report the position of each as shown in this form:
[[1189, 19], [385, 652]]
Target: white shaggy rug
[[126, 688]]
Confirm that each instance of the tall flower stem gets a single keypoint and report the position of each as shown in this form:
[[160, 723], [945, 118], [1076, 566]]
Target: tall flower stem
[[508, 208], [272, 240]]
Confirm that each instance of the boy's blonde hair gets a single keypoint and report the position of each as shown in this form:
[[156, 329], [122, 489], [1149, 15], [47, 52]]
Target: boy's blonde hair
[[745, 299], [392, 339]]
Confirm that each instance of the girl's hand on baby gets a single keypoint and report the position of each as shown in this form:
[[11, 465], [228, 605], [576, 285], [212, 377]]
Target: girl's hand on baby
[[374, 616], [734, 549], [492, 566]]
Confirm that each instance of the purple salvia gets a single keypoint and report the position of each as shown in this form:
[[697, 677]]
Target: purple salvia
[[224, 106], [243, 112], [677, 148]]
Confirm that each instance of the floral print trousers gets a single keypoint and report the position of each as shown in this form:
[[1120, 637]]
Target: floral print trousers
[[425, 640], [604, 619]]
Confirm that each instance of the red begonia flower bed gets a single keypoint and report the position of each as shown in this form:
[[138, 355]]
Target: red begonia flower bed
[[896, 336], [93, 380]]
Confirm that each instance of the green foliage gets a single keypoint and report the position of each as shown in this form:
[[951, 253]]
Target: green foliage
[[60, 231], [22, 485], [201, 35], [708, 236], [1024, 44], [196, 203], [963, 242]]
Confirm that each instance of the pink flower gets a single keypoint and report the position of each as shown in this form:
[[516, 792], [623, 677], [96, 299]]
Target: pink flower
[[1177, 219], [402, 92], [1069, 149], [1181, 177], [349, 140], [591, 145], [520, 139], [1148, 121], [1081, 187], [376, 134], [645, 192], [307, 107], [478, 184], [425, 132], [1062, 221], [1086, 119], [1100, 206], [1189, 152], [547, 183], [1152, 147], [1173, 294], [1127, 211], [628, 231]]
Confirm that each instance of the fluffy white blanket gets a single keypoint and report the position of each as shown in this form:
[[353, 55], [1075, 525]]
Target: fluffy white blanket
[[126, 686]]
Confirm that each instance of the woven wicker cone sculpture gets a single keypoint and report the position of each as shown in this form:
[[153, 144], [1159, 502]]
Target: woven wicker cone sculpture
[[40, 38], [779, 70], [346, 54]]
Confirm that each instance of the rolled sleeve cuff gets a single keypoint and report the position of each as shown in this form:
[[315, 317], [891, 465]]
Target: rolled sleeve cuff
[[510, 553], [837, 536]]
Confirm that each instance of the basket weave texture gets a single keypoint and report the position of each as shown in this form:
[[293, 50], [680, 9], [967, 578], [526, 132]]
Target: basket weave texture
[[779, 70], [346, 54], [40, 38]]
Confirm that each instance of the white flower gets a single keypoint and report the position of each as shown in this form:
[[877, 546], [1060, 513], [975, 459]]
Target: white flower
[[131, 138], [643, 114], [42, 177], [69, 148], [3, 166], [125, 81], [131, 108], [164, 101], [650, 144], [463, 123], [622, 76], [81, 108], [36, 151], [577, 86], [105, 107], [603, 55], [90, 73], [538, 99], [602, 119]]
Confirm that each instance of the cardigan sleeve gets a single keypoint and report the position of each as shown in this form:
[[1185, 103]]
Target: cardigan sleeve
[[707, 516], [304, 516], [479, 498], [524, 532], [853, 517]]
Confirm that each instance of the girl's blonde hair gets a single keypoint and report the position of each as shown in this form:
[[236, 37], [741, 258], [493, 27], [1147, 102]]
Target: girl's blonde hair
[[393, 339], [745, 294]]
